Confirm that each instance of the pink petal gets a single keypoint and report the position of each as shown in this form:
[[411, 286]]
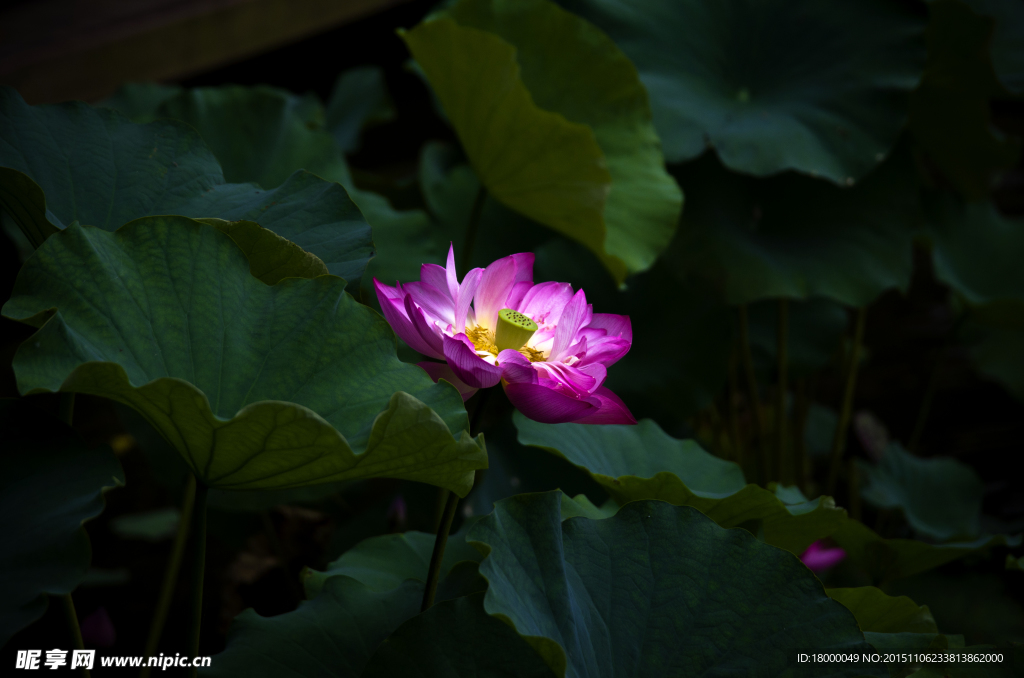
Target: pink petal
[[614, 325], [467, 365], [427, 330], [453, 280], [443, 371], [817, 558], [611, 409], [494, 288], [547, 405], [394, 312], [577, 314], [572, 380], [595, 370], [524, 266], [544, 302], [515, 368], [515, 297], [606, 351], [435, 275], [434, 302], [467, 291]]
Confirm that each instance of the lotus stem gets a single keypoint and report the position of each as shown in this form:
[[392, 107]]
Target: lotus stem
[[163, 605], [198, 568], [780, 416], [801, 410], [734, 418], [69, 613], [474, 225], [755, 398], [66, 407], [853, 488], [839, 442], [434, 571]]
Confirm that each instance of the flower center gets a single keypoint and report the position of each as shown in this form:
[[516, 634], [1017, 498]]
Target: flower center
[[514, 330], [484, 342]]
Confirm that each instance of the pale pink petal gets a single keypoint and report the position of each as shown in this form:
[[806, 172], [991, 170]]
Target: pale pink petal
[[443, 371], [426, 329], [494, 288], [515, 368], [595, 370], [547, 405], [611, 410], [614, 325], [387, 291], [606, 351], [544, 302], [467, 365], [515, 297], [450, 276], [434, 302], [435, 275], [577, 314], [467, 291], [818, 558], [394, 312], [524, 266]]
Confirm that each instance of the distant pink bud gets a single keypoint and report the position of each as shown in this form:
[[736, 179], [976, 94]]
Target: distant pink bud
[[819, 558]]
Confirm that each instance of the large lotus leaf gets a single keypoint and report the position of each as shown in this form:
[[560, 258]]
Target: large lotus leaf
[[790, 236], [256, 386], [50, 483], [643, 462], [382, 563], [359, 99], [888, 559], [879, 613], [996, 352], [976, 250], [949, 111], [940, 497], [1006, 48], [772, 84], [453, 639], [571, 68], [654, 590], [271, 257], [71, 162], [140, 100]]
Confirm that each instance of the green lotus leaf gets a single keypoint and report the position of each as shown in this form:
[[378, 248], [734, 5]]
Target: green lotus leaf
[[878, 613], [940, 497], [643, 462], [790, 236], [163, 316], [1014, 563], [154, 526], [1006, 49], [456, 638], [772, 85], [887, 559], [359, 99], [140, 100], [573, 146], [616, 596], [70, 162], [382, 563], [51, 482], [271, 257], [949, 111]]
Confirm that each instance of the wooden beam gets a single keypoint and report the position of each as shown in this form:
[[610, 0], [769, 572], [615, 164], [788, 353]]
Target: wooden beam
[[55, 50]]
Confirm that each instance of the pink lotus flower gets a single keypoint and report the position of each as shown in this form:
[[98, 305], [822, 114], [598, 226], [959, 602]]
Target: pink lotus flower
[[544, 343], [819, 558]]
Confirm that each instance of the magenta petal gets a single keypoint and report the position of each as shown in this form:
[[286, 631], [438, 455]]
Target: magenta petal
[[434, 275], [606, 351], [524, 266], [443, 371], [515, 368], [611, 410], [547, 405], [577, 314], [449, 271], [515, 297], [430, 336], [818, 558], [467, 365], [544, 302], [495, 285], [614, 325], [467, 291], [434, 302], [394, 312]]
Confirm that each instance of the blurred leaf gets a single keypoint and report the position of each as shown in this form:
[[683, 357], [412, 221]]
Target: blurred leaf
[[1014, 563], [555, 172], [456, 638], [940, 497], [156, 525], [880, 613], [140, 100], [99, 169], [224, 371], [643, 462], [790, 236], [614, 596], [1007, 50], [772, 86], [382, 563], [50, 484], [815, 331], [888, 559], [949, 111], [359, 98]]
